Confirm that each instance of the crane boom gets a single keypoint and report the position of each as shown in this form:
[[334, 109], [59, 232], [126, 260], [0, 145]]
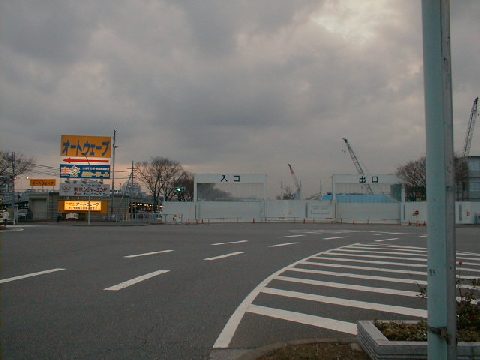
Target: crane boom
[[298, 186], [471, 126], [356, 162]]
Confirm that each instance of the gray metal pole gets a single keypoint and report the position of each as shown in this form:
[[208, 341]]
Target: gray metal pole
[[113, 173], [440, 180]]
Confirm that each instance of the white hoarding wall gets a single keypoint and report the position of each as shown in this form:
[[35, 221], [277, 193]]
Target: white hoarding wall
[[388, 213], [414, 213]]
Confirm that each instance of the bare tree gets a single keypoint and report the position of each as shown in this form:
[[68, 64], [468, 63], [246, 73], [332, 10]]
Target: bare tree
[[414, 175], [184, 187], [159, 176], [12, 165]]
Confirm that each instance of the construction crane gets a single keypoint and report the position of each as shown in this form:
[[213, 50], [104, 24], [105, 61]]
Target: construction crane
[[356, 162], [471, 126], [298, 185]]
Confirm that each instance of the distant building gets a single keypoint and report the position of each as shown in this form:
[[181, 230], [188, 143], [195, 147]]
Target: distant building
[[473, 182]]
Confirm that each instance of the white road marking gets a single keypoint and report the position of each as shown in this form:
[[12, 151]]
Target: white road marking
[[419, 259], [147, 254], [402, 310], [20, 277], [230, 242], [367, 262], [362, 288], [136, 280], [320, 322], [383, 252], [231, 326], [423, 236], [223, 256], [389, 239], [357, 276], [294, 236], [369, 268], [284, 244], [333, 237], [384, 247]]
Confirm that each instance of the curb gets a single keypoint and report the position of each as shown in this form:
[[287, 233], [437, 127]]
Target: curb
[[255, 353]]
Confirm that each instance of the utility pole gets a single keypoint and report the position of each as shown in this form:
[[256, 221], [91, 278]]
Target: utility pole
[[114, 146], [441, 301], [14, 206]]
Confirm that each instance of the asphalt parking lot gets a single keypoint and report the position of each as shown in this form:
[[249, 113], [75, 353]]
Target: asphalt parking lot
[[183, 291]]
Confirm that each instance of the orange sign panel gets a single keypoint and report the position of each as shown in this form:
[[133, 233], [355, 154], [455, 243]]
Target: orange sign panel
[[82, 206], [43, 182], [86, 145]]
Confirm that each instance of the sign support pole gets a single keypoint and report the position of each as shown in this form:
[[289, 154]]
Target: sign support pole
[[113, 173], [441, 302]]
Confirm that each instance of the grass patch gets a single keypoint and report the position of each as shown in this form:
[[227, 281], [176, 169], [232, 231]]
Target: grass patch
[[317, 351]]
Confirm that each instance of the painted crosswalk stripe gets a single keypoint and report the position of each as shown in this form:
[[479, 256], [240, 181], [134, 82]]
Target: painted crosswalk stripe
[[358, 276], [390, 239], [230, 242], [368, 248], [223, 256], [21, 277], [136, 280], [359, 251], [379, 256], [366, 268], [317, 321], [284, 244], [333, 237], [294, 236], [402, 310], [336, 285], [148, 253], [323, 257]]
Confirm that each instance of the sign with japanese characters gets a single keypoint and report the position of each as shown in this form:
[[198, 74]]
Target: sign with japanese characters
[[366, 179], [43, 182], [88, 189], [230, 178], [82, 205], [86, 145], [84, 171]]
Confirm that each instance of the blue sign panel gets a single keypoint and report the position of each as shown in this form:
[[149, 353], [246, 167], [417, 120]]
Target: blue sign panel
[[85, 171]]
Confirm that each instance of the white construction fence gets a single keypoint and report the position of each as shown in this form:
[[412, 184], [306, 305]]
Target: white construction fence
[[310, 211]]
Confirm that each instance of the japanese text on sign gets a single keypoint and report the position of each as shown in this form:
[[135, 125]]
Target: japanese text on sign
[[85, 171], [371, 179], [43, 182], [79, 145], [82, 205], [90, 189]]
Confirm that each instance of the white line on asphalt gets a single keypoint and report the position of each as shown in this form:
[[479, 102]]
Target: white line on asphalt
[[333, 237], [230, 242], [147, 254], [225, 337], [136, 280], [336, 285], [358, 276], [294, 236], [369, 268], [367, 261], [20, 277], [223, 256], [382, 252], [419, 259], [389, 239], [384, 247], [305, 319], [402, 310], [284, 244]]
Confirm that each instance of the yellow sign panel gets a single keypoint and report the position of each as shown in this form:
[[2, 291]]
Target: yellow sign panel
[[82, 205], [43, 182], [86, 146]]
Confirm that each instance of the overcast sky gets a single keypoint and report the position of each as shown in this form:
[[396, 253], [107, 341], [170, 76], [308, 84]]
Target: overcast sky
[[230, 86]]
